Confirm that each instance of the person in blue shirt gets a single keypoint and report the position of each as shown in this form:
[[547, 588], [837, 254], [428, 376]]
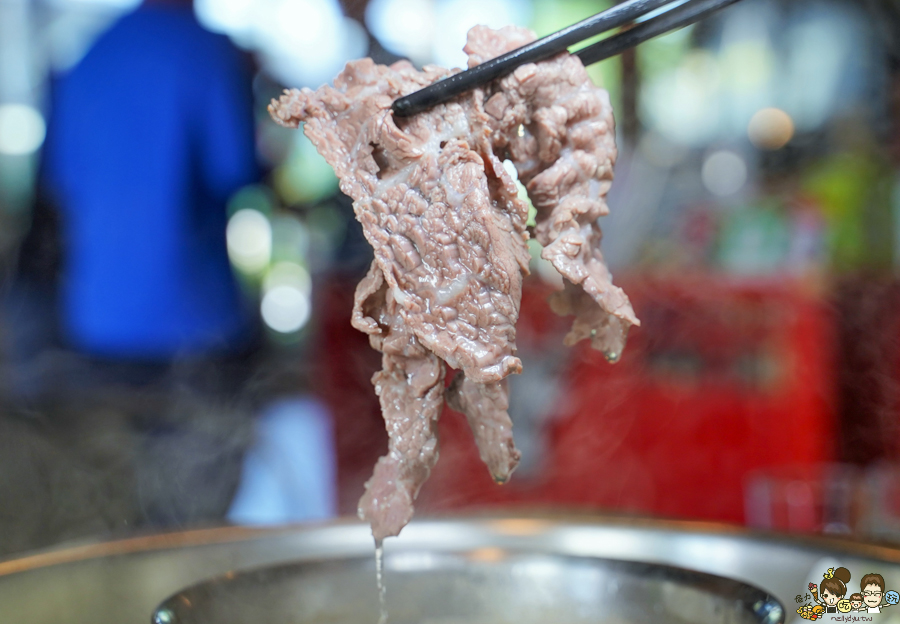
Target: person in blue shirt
[[148, 137]]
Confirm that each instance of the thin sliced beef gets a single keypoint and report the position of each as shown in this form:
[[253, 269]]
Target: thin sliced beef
[[410, 387], [485, 407], [558, 129], [449, 234], [452, 253]]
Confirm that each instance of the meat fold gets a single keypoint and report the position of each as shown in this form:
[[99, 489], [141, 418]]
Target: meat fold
[[410, 388], [485, 407], [558, 129]]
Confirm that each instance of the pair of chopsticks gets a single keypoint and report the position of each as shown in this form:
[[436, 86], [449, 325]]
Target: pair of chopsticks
[[680, 15]]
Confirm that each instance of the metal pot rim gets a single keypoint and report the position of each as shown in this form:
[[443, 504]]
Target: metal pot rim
[[502, 523]]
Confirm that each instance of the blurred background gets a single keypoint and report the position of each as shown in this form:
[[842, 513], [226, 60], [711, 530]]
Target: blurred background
[[177, 274]]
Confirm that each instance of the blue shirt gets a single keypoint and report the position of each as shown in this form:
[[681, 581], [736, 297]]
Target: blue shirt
[[149, 136]]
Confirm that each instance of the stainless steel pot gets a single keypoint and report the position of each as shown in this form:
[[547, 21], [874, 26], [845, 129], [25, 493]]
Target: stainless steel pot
[[123, 582], [482, 586]]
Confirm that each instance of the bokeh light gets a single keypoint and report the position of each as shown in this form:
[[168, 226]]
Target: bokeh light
[[286, 303], [306, 40], [683, 104], [302, 42], [22, 129], [305, 176], [748, 69], [724, 173], [434, 31], [249, 236], [403, 26], [285, 309], [288, 274], [825, 56], [234, 17], [456, 17], [770, 129], [291, 238]]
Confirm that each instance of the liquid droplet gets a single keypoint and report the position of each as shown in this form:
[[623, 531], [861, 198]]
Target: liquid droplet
[[612, 357], [379, 578]]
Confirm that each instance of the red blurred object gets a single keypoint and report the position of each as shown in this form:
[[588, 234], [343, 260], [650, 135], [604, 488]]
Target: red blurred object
[[722, 379]]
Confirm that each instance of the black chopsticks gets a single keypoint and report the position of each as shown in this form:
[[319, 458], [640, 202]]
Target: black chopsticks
[[681, 15]]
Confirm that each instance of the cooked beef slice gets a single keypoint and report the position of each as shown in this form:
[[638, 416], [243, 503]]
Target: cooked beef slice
[[558, 129], [410, 388], [485, 407], [452, 252], [449, 235]]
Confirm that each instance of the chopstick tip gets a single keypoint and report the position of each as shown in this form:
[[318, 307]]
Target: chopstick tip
[[401, 107]]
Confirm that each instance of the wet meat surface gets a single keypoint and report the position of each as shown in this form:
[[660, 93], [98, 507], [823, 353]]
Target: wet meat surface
[[485, 407], [450, 239], [558, 129], [410, 388]]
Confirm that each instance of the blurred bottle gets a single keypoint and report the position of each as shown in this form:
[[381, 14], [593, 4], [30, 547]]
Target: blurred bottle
[[823, 498]]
